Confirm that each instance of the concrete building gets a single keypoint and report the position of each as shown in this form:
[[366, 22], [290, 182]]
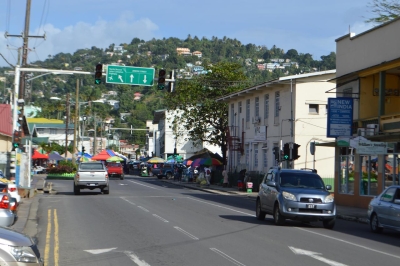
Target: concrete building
[[368, 73], [285, 110]]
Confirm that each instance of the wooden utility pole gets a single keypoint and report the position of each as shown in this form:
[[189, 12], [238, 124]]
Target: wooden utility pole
[[66, 126]]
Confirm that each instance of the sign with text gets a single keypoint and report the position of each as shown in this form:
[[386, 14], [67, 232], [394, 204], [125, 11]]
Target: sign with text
[[130, 75], [340, 117], [372, 148]]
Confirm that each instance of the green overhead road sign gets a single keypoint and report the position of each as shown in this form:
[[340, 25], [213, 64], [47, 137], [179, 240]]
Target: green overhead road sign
[[141, 76]]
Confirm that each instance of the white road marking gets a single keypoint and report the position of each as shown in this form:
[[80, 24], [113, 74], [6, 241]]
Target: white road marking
[[222, 254], [137, 183], [351, 243], [136, 259], [123, 184], [99, 251], [128, 201], [159, 217], [220, 206], [315, 255], [186, 233], [143, 208]]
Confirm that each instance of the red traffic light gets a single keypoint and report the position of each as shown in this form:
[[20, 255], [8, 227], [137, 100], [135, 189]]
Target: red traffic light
[[99, 68]]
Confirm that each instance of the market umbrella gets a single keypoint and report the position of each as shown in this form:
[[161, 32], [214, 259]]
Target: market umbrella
[[55, 156], [114, 159], [196, 162], [156, 160], [210, 161], [37, 155], [176, 158], [102, 156], [187, 162], [84, 159]]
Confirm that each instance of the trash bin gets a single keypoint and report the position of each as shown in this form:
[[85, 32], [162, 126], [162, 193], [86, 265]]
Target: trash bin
[[249, 186], [240, 185]]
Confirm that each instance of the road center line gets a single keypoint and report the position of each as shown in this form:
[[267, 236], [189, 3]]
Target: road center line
[[143, 208], [48, 235], [186, 233], [56, 239], [159, 217], [225, 256], [137, 183], [351, 243], [128, 201], [220, 206]]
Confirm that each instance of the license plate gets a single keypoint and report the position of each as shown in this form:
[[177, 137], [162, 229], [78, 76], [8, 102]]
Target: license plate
[[311, 206], [91, 184]]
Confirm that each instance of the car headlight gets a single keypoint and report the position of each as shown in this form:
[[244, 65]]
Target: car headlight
[[288, 196], [23, 254], [329, 199]]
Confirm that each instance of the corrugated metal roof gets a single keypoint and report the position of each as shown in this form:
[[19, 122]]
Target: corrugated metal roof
[[6, 120]]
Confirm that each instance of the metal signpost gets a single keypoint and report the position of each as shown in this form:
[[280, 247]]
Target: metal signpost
[[141, 76]]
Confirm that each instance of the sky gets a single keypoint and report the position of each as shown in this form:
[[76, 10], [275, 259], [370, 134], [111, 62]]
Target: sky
[[309, 26]]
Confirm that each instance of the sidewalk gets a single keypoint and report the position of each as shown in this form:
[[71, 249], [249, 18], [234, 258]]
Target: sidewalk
[[342, 212]]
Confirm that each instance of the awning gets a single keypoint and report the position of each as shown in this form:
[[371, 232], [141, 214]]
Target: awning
[[326, 144]]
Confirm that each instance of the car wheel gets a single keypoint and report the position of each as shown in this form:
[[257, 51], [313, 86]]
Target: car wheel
[[329, 224], [77, 190], [169, 175], [106, 190], [259, 213], [374, 224], [278, 218]]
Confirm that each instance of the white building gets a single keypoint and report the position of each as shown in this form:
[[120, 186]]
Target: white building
[[285, 110]]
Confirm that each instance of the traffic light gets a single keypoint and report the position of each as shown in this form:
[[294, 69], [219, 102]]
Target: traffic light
[[83, 150], [16, 139], [276, 153], [286, 152], [98, 74], [161, 79], [295, 152]]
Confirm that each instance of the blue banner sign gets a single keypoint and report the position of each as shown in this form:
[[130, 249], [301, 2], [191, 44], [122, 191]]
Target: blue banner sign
[[340, 117]]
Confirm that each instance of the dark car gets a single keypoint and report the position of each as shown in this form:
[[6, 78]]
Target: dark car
[[134, 167], [384, 210], [296, 195]]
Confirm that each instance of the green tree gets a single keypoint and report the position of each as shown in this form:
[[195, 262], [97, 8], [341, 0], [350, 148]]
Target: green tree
[[199, 114], [384, 11]]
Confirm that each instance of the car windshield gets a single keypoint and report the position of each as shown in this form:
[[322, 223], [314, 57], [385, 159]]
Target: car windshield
[[301, 180]]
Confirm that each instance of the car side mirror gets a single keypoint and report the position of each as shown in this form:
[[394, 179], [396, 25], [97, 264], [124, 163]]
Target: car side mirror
[[328, 187], [397, 201], [271, 183]]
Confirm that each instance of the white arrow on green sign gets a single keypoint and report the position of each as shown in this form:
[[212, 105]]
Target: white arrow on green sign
[[141, 76]]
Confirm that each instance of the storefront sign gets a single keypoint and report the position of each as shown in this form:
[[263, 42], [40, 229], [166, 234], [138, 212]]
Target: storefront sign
[[373, 148], [340, 117]]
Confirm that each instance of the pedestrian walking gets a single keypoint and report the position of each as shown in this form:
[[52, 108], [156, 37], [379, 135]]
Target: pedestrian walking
[[225, 176], [207, 174]]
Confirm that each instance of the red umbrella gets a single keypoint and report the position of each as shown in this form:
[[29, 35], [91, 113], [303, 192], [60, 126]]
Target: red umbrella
[[102, 156]]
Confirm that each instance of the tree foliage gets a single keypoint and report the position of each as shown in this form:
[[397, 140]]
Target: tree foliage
[[199, 114], [384, 11]]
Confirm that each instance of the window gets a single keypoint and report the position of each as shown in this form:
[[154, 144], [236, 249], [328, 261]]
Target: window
[[313, 108], [265, 158], [248, 110], [40, 130], [53, 131], [348, 92], [388, 195], [240, 107], [255, 156], [266, 106], [257, 107], [232, 114], [277, 104]]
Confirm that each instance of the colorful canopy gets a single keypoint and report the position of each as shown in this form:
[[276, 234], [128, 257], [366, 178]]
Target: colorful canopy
[[55, 156], [37, 155], [102, 156], [114, 159], [156, 160]]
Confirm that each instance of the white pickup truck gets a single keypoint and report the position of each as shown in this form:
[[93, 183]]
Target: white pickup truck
[[91, 175]]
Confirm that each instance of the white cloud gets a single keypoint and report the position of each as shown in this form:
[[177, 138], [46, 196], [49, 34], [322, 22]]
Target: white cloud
[[82, 35]]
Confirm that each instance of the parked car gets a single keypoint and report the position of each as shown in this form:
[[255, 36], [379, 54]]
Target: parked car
[[134, 167], [18, 249], [7, 217], [296, 195], [384, 210], [10, 188]]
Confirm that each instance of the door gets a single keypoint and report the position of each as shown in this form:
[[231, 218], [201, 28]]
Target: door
[[263, 191], [394, 210], [271, 193], [384, 206]]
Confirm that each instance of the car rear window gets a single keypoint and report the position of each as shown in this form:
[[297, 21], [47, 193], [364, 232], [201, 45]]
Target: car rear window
[[91, 166], [302, 180], [114, 165]]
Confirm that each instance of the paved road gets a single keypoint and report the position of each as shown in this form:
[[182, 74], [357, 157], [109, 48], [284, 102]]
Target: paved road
[[145, 221]]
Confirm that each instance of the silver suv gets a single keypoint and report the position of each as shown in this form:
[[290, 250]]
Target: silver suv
[[296, 195]]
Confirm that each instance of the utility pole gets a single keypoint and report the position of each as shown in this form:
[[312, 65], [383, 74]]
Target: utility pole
[[25, 36], [77, 106], [66, 126]]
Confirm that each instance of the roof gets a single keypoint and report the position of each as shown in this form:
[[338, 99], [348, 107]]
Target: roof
[[48, 125], [274, 82], [6, 126], [44, 121]]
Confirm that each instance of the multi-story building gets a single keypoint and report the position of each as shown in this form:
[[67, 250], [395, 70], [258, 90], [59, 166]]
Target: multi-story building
[[368, 75], [290, 109]]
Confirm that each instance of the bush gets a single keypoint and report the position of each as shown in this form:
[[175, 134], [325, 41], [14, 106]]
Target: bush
[[69, 164], [60, 169]]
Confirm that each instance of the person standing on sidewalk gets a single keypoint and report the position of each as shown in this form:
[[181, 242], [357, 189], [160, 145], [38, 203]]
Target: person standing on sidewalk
[[225, 176], [207, 174]]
